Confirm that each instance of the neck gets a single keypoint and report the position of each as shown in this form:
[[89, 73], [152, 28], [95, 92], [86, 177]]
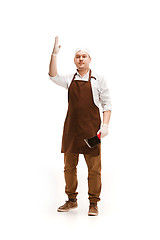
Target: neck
[[83, 72]]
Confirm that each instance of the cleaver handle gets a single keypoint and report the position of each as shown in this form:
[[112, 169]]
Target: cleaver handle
[[99, 135]]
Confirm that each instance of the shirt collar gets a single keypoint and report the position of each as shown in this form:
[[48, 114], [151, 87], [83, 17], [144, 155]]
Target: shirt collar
[[85, 76]]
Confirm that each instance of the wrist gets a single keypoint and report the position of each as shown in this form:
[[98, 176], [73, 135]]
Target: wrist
[[105, 124], [53, 54]]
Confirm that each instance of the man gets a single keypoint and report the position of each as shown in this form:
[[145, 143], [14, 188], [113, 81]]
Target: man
[[86, 90]]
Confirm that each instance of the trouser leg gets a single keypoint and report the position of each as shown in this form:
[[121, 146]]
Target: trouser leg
[[94, 177], [70, 174]]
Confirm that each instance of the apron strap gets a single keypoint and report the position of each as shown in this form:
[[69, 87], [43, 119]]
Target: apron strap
[[93, 77], [74, 77], [89, 75]]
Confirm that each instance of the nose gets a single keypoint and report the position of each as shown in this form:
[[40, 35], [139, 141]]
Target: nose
[[81, 58]]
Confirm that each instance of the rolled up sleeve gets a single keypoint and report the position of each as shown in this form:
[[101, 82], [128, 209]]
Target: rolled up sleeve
[[60, 80], [104, 96]]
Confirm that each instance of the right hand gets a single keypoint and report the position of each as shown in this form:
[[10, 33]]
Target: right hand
[[56, 47], [103, 130]]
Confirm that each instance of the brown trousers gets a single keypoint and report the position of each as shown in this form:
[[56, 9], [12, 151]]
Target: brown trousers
[[94, 175]]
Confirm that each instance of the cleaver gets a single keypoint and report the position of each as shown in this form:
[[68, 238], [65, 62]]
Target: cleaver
[[93, 141]]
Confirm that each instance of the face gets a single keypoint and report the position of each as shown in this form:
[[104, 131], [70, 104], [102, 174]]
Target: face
[[82, 60]]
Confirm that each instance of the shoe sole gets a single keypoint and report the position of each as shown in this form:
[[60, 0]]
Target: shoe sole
[[63, 210], [92, 214]]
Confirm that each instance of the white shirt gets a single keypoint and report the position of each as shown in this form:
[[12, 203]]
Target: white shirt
[[99, 87]]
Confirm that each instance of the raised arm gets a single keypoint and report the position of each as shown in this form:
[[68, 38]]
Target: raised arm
[[53, 61]]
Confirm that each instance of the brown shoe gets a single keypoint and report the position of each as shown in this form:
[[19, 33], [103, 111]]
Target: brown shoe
[[93, 210], [67, 206]]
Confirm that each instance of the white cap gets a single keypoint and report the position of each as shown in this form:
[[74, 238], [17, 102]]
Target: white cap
[[83, 49]]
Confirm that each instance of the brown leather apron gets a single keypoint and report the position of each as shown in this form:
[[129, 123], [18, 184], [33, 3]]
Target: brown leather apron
[[82, 119]]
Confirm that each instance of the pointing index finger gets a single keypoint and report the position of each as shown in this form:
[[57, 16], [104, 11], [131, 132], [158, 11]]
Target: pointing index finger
[[56, 40]]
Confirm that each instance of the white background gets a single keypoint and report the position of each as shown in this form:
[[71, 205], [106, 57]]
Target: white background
[[124, 38]]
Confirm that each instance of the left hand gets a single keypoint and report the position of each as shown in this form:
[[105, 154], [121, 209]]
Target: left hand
[[103, 130], [56, 47]]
